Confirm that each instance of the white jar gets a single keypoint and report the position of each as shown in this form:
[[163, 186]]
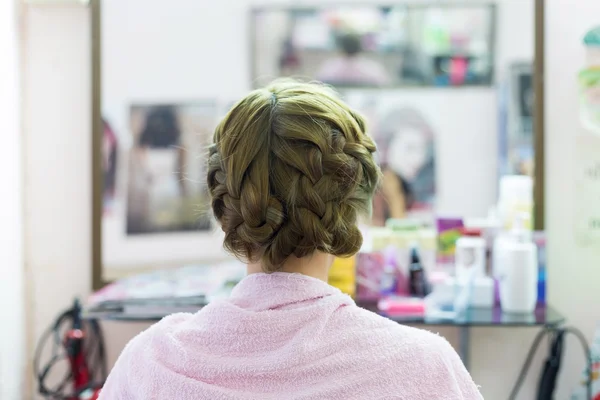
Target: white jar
[[518, 276], [470, 255]]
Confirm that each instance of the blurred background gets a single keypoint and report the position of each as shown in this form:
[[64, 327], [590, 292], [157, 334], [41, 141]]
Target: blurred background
[[107, 108]]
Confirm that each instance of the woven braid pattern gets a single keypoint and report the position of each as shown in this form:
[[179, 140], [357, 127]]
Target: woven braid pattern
[[292, 176]]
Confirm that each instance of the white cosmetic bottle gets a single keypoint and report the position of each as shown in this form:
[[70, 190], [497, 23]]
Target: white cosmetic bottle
[[470, 255], [518, 269]]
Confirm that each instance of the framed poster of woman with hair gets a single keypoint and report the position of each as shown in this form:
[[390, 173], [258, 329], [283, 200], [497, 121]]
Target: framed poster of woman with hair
[[164, 189]]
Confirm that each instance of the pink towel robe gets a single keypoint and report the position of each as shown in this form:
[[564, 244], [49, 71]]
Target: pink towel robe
[[287, 336]]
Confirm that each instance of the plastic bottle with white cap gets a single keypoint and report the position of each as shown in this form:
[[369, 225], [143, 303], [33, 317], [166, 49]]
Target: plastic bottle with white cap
[[518, 272], [515, 197]]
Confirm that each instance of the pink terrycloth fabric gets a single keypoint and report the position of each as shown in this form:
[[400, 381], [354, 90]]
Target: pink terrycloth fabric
[[287, 336]]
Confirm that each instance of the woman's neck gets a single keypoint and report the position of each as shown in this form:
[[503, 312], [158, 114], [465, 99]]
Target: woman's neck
[[315, 265]]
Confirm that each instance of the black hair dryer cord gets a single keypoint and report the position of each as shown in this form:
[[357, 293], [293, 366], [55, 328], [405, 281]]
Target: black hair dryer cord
[[547, 383]]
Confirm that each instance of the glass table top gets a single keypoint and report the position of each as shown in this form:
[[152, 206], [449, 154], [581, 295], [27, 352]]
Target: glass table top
[[493, 317], [490, 317]]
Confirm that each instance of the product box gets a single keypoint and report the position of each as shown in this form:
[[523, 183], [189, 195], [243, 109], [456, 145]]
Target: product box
[[448, 232], [369, 271], [342, 275]]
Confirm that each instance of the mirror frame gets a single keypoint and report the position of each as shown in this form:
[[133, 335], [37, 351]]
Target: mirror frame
[[539, 116], [97, 132], [97, 186]]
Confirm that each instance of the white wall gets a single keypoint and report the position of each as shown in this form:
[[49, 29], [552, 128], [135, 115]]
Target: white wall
[[12, 333], [57, 123], [58, 204], [574, 272]]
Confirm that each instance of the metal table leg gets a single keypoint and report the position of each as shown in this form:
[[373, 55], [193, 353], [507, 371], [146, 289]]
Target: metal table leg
[[464, 344]]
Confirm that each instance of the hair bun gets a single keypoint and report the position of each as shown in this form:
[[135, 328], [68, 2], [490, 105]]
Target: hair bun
[[290, 170], [261, 233]]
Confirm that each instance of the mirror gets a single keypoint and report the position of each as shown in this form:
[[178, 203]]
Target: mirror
[[452, 91]]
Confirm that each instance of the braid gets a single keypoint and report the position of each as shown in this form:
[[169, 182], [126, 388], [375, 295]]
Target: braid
[[290, 170]]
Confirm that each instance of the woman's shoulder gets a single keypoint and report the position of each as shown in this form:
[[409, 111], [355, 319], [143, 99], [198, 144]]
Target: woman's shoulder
[[402, 345], [424, 364], [145, 339], [139, 355], [385, 329]]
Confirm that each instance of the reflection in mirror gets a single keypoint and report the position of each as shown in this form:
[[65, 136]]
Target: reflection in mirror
[[375, 45], [447, 90], [164, 185]]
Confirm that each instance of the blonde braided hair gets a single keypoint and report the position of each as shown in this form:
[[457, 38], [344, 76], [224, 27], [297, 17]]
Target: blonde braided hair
[[290, 169]]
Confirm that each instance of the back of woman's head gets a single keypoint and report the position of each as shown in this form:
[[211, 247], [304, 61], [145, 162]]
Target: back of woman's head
[[349, 43], [289, 172]]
